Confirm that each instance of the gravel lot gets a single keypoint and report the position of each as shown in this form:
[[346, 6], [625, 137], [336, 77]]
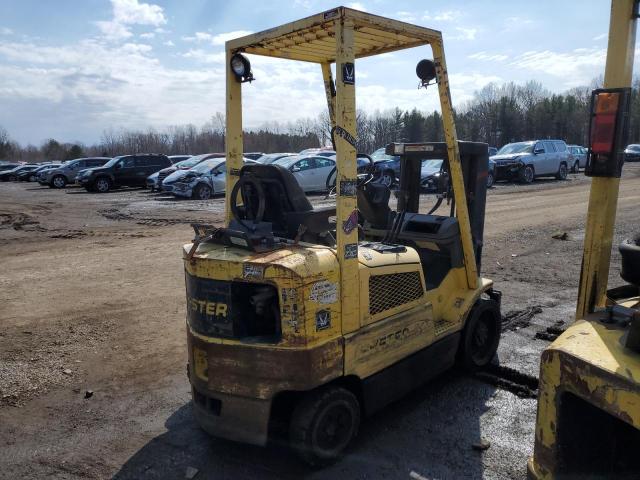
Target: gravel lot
[[92, 298]]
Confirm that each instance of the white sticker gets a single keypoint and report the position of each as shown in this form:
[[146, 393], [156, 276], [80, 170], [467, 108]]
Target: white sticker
[[324, 292], [252, 271]]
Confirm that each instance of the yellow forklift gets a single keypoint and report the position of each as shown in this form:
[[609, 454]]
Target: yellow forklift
[[306, 320], [588, 421]]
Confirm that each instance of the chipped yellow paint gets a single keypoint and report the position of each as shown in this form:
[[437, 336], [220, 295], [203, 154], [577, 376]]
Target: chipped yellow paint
[[603, 196], [233, 137], [455, 166], [589, 359], [345, 118]]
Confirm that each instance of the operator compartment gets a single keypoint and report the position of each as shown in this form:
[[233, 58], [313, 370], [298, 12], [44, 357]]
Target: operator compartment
[[436, 237]]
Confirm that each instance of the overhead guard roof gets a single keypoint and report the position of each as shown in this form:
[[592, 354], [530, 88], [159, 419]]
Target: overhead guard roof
[[313, 39]]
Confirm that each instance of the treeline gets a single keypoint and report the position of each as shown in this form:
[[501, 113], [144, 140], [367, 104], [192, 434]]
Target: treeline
[[497, 115]]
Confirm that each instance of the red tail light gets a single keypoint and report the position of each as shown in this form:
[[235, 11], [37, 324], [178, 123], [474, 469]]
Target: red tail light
[[603, 128], [608, 129]]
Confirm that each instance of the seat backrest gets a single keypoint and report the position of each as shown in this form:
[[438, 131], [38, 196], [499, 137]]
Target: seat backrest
[[282, 192], [373, 204]]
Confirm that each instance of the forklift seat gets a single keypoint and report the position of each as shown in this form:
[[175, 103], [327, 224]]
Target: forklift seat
[[373, 204], [286, 206]]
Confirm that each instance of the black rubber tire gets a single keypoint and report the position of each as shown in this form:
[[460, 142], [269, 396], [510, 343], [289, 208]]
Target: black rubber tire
[[527, 174], [563, 170], [480, 336], [198, 192], [490, 179], [576, 167], [13, 178], [323, 424], [97, 185], [59, 181], [32, 178]]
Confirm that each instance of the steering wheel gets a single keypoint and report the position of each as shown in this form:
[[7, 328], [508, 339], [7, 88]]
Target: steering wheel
[[363, 178], [256, 214]]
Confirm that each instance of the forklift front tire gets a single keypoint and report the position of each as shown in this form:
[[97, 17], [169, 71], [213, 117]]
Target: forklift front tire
[[481, 335], [323, 424]]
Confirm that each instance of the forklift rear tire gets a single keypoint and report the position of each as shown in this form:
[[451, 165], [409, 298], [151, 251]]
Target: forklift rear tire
[[481, 335], [323, 424]]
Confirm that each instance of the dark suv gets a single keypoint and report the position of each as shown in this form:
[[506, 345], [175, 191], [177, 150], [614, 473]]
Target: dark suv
[[127, 170]]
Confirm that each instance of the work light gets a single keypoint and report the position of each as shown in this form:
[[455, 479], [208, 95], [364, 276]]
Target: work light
[[241, 68], [426, 71]]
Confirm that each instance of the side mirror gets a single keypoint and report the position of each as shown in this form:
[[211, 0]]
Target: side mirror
[[118, 166], [536, 151], [216, 173], [295, 169]]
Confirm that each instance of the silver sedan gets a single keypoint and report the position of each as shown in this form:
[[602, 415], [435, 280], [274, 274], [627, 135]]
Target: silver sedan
[[311, 171]]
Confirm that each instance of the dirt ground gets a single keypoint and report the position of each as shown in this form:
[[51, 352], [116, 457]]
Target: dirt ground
[[92, 299]]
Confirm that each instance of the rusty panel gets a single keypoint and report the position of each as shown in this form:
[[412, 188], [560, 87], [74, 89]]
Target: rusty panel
[[259, 372]]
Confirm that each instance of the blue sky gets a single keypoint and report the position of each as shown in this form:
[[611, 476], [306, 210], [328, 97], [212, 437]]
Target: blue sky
[[73, 69]]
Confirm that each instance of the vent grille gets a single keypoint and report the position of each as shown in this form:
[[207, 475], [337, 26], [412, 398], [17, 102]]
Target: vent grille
[[392, 290]]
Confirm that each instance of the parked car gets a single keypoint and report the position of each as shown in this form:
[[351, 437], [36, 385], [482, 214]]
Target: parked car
[[492, 151], [253, 155], [32, 175], [578, 156], [126, 170], [153, 179], [168, 176], [183, 165], [528, 160], [65, 174], [8, 166], [204, 180], [632, 153], [311, 171], [430, 172], [12, 175], [269, 158], [178, 158], [387, 167]]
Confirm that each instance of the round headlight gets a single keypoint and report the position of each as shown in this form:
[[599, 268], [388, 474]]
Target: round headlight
[[237, 65], [241, 68]]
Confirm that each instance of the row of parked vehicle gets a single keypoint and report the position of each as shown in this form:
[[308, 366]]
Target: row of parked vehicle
[[202, 176]]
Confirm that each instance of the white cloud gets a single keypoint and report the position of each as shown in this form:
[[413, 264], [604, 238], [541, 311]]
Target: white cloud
[[464, 33], [357, 6], [602, 36], [495, 57], [5, 31], [169, 43], [216, 40], [578, 66], [113, 30], [147, 35], [132, 12], [203, 56]]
